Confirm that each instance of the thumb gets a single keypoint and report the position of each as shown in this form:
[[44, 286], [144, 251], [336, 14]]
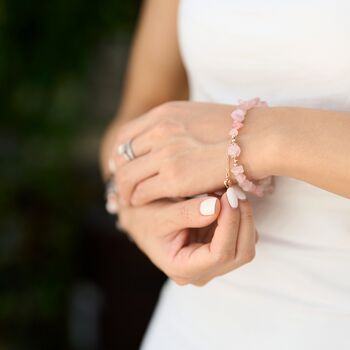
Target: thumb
[[226, 233], [192, 213]]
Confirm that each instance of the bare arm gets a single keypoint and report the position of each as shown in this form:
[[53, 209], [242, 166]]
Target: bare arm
[[314, 146], [155, 72]]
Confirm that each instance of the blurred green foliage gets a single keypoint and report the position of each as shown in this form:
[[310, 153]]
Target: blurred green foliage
[[45, 47]]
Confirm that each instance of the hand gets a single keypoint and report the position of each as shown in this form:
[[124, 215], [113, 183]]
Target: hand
[[191, 247], [180, 150]]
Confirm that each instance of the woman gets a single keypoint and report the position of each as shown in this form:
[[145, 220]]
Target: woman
[[295, 291]]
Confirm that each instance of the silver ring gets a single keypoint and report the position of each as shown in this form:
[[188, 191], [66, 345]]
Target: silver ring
[[129, 151], [126, 150]]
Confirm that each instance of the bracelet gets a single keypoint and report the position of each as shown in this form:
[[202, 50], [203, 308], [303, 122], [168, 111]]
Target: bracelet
[[263, 186]]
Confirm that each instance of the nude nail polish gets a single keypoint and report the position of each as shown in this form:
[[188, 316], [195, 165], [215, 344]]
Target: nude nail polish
[[207, 207], [232, 197]]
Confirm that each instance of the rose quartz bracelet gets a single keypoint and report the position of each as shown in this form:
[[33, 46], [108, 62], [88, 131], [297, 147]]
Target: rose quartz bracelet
[[238, 115]]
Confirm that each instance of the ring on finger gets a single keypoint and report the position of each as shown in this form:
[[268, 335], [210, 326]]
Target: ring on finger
[[126, 150]]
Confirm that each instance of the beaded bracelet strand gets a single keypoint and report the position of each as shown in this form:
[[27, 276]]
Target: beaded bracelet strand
[[263, 186]]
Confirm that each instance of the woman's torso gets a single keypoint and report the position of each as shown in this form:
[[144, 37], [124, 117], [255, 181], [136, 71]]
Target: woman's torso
[[296, 292]]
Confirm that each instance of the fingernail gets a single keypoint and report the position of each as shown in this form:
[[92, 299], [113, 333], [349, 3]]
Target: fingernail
[[207, 207], [240, 194], [112, 206], [232, 197], [121, 149], [111, 166]]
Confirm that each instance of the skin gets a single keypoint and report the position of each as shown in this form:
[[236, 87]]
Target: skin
[[173, 146], [155, 71], [172, 149], [181, 146], [190, 247]]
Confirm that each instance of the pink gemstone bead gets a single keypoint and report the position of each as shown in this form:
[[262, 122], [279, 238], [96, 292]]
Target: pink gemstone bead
[[237, 125], [238, 115], [265, 181], [247, 185], [240, 178], [259, 191], [245, 105], [234, 150], [250, 103], [233, 132], [236, 170], [254, 101]]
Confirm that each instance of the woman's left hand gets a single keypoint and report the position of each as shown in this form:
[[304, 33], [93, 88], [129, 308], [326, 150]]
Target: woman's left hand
[[180, 150], [193, 241]]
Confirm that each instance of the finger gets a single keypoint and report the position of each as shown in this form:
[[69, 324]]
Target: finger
[[223, 247], [223, 244], [141, 144], [247, 236], [205, 260], [152, 139], [129, 175], [148, 190], [144, 142], [136, 126], [129, 132], [157, 115], [191, 213]]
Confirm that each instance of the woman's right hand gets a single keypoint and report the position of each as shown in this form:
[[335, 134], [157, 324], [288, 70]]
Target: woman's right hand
[[192, 241], [180, 150]]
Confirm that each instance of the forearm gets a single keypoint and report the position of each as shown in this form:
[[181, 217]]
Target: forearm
[[314, 146], [155, 72]]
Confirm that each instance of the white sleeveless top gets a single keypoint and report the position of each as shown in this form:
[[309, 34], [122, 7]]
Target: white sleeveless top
[[296, 293]]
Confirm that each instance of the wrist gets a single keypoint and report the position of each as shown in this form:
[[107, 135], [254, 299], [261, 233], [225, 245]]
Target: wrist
[[259, 143], [289, 137], [263, 146], [217, 157], [281, 136]]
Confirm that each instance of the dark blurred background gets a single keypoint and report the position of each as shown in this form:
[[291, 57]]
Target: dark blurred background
[[68, 279]]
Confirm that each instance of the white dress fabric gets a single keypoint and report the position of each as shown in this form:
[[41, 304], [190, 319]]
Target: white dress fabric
[[295, 294]]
